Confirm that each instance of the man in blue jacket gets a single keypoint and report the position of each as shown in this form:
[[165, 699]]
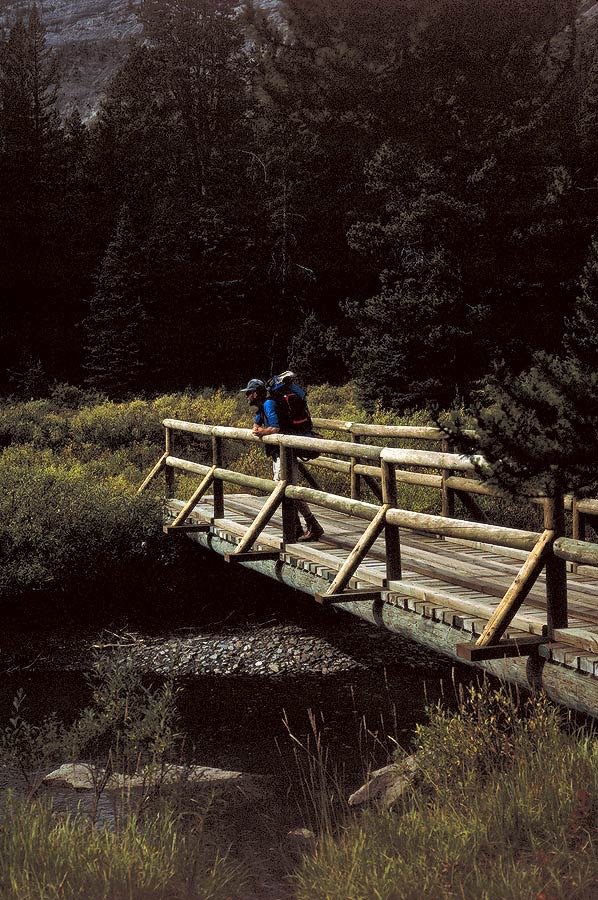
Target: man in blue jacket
[[267, 421]]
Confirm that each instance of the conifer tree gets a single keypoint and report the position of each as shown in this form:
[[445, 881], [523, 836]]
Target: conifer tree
[[539, 429], [31, 168], [115, 324]]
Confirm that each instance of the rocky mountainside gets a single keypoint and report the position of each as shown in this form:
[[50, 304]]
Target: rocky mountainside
[[92, 37]]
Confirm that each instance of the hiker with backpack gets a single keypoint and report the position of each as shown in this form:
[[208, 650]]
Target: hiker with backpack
[[282, 408]]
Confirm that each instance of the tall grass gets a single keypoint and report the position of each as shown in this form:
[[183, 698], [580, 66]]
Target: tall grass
[[44, 856], [505, 806]]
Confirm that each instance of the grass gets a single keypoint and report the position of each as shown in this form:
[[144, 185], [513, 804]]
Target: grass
[[44, 855], [505, 806]]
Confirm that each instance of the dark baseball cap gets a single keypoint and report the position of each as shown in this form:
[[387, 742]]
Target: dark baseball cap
[[254, 384]]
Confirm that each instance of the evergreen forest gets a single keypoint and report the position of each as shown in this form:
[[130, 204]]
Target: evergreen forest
[[404, 194]]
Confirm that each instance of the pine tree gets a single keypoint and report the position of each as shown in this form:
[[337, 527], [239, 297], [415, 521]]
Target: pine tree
[[200, 46], [539, 428], [31, 185], [115, 325]]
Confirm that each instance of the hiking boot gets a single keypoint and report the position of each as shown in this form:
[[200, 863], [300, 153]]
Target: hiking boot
[[313, 532]]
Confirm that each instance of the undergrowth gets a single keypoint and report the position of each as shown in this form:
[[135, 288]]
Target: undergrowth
[[505, 805], [151, 839]]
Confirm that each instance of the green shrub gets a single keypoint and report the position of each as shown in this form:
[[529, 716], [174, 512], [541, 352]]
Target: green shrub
[[59, 526]]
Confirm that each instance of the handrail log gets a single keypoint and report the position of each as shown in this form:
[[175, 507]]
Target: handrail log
[[582, 552], [427, 458], [265, 485], [470, 531], [333, 501], [295, 442], [413, 432]]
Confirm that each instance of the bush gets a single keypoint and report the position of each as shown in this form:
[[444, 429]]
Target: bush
[[59, 526]]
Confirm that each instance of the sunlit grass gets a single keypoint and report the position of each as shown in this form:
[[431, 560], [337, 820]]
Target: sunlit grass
[[505, 806], [46, 855]]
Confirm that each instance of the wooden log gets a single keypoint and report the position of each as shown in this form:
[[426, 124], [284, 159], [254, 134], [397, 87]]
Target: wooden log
[[325, 446], [556, 569], [372, 471], [355, 483], [155, 470], [358, 508], [422, 478], [185, 465], [589, 506], [471, 531], [408, 432], [219, 485], [262, 485], [196, 428], [392, 539], [170, 488], [349, 597], [194, 499], [523, 646], [186, 529], [428, 459], [262, 518], [503, 614], [359, 552], [472, 486], [331, 424], [333, 465], [582, 552]]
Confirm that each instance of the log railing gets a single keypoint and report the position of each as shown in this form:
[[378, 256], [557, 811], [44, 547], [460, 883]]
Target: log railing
[[549, 550]]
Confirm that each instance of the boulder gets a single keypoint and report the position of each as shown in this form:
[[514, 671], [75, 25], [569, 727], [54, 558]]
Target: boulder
[[385, 786], [84, 777]]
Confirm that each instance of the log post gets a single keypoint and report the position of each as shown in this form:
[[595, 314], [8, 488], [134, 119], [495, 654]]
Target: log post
[[218, 483], [556, 569], [578, 526], [170, 473], [289, 513], [448, 494], [355, 482], [391, 532]]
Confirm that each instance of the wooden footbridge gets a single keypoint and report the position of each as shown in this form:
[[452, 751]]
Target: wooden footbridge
[[521, 604]]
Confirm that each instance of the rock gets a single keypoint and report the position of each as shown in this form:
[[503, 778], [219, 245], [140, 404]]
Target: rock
[[301, 840], [79, 776], [84, 777], [387, 785]]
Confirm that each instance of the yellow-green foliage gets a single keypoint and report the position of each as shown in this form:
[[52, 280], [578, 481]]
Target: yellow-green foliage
[[44, 855], [506, 806], [58, 523]]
